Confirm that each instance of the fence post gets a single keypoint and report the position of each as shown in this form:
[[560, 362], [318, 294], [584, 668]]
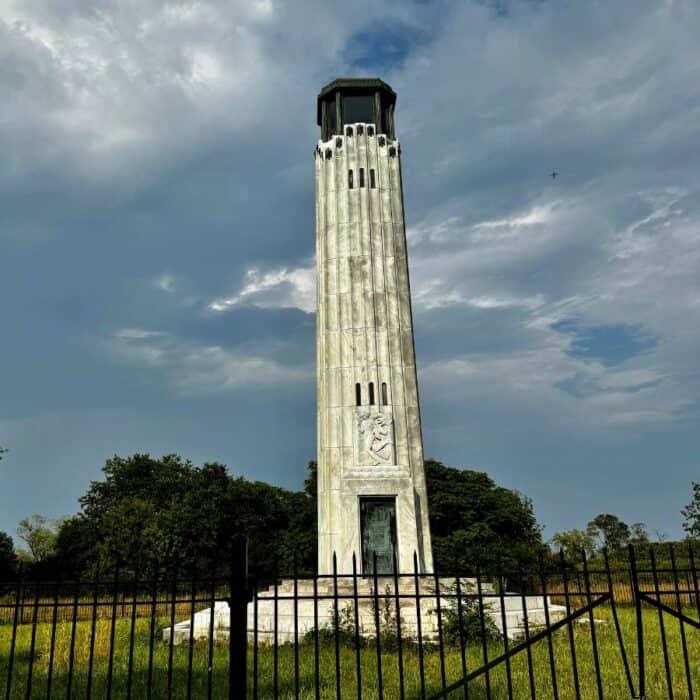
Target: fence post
[[16, 622], [238, 621], [640, 624]]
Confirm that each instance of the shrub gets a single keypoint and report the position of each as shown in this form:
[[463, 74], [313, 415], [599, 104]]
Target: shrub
[[344, 628], [468, 626]]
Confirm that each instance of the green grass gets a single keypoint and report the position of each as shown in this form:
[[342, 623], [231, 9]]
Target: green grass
[[613, 678]]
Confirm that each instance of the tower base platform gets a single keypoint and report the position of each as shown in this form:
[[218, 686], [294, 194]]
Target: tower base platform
[[293, 609]]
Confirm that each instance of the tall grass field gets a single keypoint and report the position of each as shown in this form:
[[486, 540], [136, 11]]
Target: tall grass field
[[170, 675]]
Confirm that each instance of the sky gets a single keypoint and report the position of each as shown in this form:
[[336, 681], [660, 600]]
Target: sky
[[157, 288]]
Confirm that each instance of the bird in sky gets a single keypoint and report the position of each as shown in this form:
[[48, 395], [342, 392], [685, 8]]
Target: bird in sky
[[553, 174]]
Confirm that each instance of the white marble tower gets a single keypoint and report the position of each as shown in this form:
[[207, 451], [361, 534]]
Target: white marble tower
[[371, 481]]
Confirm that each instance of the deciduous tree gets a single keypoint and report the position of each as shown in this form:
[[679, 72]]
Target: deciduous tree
[[691, 514], [39, 534], [8, 558], [610, 531], [573, 542], [472, 518], [166, 514], [639, 534]]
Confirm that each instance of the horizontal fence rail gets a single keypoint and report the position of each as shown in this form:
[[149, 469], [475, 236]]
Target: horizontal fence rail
[[561, 627]]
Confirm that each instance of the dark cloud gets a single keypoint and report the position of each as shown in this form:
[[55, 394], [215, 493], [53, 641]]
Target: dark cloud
[[156, 227]]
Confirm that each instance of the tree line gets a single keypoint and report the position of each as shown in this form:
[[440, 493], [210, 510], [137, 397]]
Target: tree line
[[147, 515], [151, 514]]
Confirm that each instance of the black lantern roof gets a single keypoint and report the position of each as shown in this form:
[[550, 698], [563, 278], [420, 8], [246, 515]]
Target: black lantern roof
[[351, 100]]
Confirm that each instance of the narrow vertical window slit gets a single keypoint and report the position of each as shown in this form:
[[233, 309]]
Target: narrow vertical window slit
[[371, 393], [385, 395], [358, 394], [372, 181], [350, 179], [362, 177]]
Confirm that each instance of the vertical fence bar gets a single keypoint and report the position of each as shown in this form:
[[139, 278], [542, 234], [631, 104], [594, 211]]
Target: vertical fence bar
[[112, 630], [694, 571], [171, 642], [662, 625], [618, 629], [681, 624], [210, 646], [569, 624], [132, 631], [13, 642], [275, 639], [550, 645], [358, 661], [526, 625], [482, 626], [419, 626], [152, 631], [380, 683], [190, 650], [238, 622], [504, 625], [580, 586], [441, 639], [317, 669], [460, 620], [336, 626], [32, 643], [296, 627], [255, 639], [93, 627], [71, 653], [639, 621], [52, 643], [399, 641], [591, 620]]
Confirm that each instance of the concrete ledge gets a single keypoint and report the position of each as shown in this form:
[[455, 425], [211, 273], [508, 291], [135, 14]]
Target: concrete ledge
[[285, 610]]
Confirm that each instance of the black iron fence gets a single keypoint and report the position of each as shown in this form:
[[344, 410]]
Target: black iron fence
[[558, 629]]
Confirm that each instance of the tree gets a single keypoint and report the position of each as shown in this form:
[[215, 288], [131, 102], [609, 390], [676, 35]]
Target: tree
[[639, 534], [691, 514], [8, 558], [610, 531], [39, 534], [573, 542], [472, 518], [149, 514]]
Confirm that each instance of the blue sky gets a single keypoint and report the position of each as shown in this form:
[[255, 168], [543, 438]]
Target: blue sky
[[156, 238]]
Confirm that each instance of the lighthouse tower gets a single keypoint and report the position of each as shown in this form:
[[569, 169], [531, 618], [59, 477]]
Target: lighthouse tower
[[372, 499]]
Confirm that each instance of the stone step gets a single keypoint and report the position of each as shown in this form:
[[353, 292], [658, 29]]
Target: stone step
[[365, 586], [288, 613]]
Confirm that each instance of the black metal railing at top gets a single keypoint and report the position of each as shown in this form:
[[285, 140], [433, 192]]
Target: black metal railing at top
[[555, 629]]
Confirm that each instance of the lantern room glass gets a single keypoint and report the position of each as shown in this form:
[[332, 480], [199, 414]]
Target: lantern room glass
[[358, 108]]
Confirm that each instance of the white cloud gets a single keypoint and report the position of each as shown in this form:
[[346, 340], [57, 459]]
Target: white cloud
[[165, 282], [532, 382], [487, 302], [437, 294], [539, 214], [182, 133], [274, 289], [129, 334], [193, 368]]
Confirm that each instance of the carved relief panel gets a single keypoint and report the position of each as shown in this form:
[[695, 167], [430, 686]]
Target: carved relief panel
[[375, 438]]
